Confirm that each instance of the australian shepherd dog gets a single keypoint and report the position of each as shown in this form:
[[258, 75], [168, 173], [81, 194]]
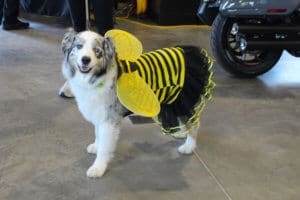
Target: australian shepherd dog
[[90, 60]]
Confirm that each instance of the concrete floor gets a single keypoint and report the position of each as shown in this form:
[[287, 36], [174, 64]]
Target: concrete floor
[[248, 147]]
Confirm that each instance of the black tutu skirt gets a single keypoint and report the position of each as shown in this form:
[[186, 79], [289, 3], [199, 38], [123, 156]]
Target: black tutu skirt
[[184, 113]]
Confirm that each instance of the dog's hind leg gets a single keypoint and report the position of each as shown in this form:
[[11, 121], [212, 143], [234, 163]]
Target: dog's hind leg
[[65, 91], [190, 143], [107, 137]]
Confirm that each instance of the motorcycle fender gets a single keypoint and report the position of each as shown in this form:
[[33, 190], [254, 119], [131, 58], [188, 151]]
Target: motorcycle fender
[[207, 12], [232, 8]]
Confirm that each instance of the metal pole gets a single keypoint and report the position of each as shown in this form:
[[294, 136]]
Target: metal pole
[[87, 15]]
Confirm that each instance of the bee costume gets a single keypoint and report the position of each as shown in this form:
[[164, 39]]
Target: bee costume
[[169, 84]]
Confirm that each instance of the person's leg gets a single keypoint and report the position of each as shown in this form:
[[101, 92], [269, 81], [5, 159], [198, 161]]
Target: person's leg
[[103, 12], [77, 12], [1, 10], [11, 11], [10, 15]]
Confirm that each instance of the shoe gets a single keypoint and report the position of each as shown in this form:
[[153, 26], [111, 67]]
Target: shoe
[[15, 26]]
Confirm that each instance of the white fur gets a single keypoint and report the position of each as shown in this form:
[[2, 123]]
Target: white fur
[[190, 143], [93, 104], [65, 90]]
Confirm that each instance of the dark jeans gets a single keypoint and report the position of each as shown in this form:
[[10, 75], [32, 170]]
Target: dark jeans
[[103, 12], [9, 9]]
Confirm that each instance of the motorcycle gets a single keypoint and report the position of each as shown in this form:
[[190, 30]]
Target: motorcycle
[[249, 36]]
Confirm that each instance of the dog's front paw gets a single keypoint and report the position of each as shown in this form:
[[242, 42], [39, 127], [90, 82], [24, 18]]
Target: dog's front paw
[[186, 148], [65, 91], [96, 171], [65, 94], [92, 148]]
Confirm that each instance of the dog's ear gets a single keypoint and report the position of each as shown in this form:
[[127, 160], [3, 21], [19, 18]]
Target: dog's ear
[[109, 48], [68, 40], [66, 45]]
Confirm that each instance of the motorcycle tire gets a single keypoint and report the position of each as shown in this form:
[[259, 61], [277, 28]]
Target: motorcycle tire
[[227, 59]]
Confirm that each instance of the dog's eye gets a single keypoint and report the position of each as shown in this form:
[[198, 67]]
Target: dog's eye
[[79, 46], [98, 51]]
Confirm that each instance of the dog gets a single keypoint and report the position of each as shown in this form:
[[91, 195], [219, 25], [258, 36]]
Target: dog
[[90, 60]]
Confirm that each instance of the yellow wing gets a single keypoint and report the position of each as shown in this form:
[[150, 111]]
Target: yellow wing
[[127, 45], [136, 95], [133, 92]]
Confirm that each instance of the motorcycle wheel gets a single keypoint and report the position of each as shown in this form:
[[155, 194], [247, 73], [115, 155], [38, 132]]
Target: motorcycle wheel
[[243, 64]]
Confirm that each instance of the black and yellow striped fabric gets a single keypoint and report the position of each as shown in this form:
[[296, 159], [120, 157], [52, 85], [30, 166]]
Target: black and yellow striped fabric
[[181, 78], [162, 69]]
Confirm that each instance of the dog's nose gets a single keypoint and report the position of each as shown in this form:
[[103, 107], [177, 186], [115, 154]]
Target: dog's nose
[[85, 60]]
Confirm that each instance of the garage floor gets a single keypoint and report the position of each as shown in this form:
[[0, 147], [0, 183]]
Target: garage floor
[[248, 147]]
